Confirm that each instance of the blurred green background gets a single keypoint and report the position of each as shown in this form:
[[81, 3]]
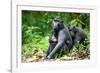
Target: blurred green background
[[36, 29]]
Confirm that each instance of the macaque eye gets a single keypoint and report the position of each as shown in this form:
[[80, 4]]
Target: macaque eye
[[56, 20]]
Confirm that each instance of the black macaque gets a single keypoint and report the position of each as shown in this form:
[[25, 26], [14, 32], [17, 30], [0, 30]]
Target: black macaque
[[77, 34], [62, 36], [52, 43]]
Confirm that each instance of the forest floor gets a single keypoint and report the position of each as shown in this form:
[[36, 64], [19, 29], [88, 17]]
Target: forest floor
[[39, 55]]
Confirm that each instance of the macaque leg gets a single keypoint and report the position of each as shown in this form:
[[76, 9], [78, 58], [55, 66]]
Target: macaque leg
[[58, 46], [51, 47]]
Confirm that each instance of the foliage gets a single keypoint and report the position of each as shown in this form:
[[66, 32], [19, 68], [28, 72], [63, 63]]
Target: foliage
[[36, 29]]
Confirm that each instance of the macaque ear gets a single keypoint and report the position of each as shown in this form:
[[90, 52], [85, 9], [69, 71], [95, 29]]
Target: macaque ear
[[70, 27]]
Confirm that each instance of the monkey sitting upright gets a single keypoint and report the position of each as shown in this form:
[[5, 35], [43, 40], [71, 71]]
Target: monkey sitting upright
[[62, 35]]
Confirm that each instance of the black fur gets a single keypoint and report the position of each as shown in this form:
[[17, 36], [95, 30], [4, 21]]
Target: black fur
[[77, 34], [63, 37]]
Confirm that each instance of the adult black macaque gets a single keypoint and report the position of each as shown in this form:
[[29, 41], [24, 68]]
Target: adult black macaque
[[62, 37]]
